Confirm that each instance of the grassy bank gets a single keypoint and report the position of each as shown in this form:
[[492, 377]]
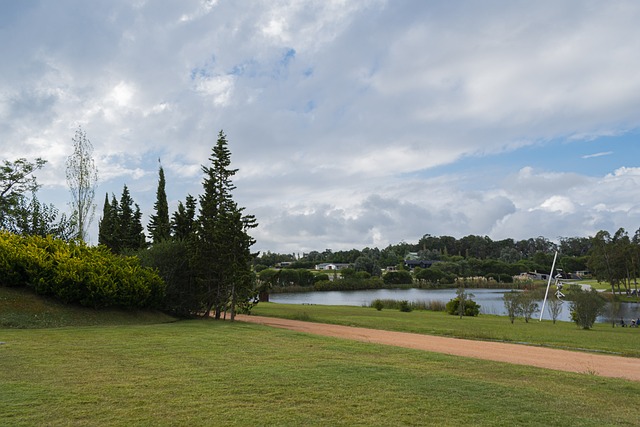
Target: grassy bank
[[202, 372], [622, 341], [21, 308]]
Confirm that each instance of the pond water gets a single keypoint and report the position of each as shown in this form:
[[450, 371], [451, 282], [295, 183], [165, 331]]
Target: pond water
[[490, 300]]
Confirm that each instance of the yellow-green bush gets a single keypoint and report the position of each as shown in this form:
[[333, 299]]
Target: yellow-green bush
[[77, 273]]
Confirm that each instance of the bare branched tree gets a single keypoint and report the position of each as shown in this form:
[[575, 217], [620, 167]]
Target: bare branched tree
[[82, 177]]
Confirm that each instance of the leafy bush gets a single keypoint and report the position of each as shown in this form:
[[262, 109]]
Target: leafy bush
[[471, 308], [404, 306], [586, 306], [321, 276], [76, 273]]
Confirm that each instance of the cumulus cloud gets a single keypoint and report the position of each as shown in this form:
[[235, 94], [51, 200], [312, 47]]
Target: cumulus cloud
[[353, 123]]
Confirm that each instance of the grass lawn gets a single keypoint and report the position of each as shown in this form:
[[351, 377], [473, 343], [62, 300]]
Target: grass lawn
[[206, 372], [603, 337], [113, 368]]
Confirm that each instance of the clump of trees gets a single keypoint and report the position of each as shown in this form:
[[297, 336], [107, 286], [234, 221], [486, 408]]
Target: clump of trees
[[520, 304], [20, 210], [120, 228], [202, 255], [206, 258], [616, 259]]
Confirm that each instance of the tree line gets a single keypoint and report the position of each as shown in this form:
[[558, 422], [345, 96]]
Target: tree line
[[612, 258], [202, 252]]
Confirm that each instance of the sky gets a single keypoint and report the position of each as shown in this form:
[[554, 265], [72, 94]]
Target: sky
[[353, 123]]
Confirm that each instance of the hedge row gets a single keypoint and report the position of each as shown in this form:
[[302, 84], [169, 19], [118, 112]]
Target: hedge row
[[349, 284], [76, 273]]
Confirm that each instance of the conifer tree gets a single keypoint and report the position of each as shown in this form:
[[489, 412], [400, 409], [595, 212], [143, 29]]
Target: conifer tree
[[130, 225], [121, 227], [222, 256], [106, 224], [183, 219], [159, 226]]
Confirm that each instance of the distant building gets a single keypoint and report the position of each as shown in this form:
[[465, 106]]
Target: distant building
[[533, 275], [332, 266], [412, 256], [283, 264], [422, 263]]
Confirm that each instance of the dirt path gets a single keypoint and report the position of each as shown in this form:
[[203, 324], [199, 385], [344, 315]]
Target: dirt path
[[562, 360]]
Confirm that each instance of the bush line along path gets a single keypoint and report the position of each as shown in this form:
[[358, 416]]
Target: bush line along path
[[541, 357]]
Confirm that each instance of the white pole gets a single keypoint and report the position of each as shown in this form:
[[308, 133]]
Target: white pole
[[553, 266]]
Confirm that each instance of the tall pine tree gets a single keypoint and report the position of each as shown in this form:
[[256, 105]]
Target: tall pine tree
[[159, 226], [222, 256]]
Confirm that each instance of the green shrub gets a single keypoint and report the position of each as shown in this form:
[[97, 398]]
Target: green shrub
[[321, 276], [471, 308], [404, 306], [76, 273], [377, 304], [586, 306]]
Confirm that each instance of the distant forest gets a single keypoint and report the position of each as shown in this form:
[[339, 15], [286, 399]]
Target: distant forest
[[613, 258]]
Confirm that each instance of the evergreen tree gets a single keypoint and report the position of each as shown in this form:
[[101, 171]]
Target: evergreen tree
[[138, 237], [130, 223], [116, 227], [183, 219], [222, 258], [159, 226], [106, 224], [121, 227]]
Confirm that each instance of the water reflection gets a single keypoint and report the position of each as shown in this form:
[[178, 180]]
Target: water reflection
[[490, 300]]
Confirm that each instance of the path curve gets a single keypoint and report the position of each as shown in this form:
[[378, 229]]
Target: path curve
[[561, 360]]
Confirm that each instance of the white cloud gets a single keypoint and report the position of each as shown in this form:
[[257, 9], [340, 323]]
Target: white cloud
[[559, 204], [349, 121], [591, 156]]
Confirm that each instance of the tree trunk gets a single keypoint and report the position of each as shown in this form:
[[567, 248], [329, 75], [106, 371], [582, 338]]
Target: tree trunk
[[233, 302]]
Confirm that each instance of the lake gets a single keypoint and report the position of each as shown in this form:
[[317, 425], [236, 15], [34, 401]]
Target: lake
[[490, 300]]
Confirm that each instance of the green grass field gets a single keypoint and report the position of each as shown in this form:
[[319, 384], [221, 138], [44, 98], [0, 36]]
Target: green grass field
[[206, 372]]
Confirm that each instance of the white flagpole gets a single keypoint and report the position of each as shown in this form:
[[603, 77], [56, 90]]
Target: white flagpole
[[553, 266]]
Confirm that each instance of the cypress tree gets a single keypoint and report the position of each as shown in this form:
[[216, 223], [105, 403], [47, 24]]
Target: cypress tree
[[105, 225], [159, 226]]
